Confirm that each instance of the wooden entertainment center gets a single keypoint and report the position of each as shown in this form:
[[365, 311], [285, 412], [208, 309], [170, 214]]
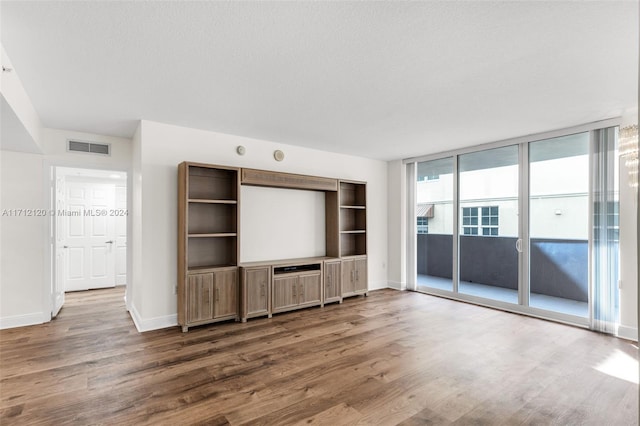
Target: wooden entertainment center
[[214, 286]]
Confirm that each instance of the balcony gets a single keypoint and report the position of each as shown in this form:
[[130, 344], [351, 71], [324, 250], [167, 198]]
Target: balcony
[[489, 269]]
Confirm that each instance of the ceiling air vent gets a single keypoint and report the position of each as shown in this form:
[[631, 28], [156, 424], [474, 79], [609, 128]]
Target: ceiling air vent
[[89, 147]]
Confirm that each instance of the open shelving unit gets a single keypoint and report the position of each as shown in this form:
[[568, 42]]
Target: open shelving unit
[[208, 249], [353, 218], [212, 216]]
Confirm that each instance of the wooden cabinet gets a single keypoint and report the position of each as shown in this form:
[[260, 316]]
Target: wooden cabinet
[[296, 290], [256, 292], [210, 287], [354, 276], [360, 269], [310, 289], [226, 293], [332, 281], [199, 298], [285, 293], [208, 208], [210, 296]]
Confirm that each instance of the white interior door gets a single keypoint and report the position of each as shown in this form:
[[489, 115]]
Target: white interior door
[[58, 287], [90, 236], [121, 234]]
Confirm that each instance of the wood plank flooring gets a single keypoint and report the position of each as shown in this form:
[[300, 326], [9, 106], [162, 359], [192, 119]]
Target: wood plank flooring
[[391, 358]]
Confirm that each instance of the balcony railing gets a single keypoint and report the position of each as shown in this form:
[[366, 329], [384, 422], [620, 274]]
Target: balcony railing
[[559, 267]]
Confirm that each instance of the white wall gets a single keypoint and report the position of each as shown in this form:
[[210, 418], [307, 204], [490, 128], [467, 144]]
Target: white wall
[[134, 233], [54, 142], [293, 219], [18, 111], [396, 224], [22, 240], [163, 147], [24, 273]]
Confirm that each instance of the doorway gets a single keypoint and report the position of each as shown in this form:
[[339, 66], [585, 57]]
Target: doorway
[[89, 230], [530, 227]]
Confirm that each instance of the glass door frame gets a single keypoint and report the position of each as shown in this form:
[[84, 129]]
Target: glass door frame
[[523, 224]]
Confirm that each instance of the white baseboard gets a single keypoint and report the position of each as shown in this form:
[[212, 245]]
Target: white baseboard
[[377, 285], [397, 285], [21, 320], [143, 324], [626, 332]]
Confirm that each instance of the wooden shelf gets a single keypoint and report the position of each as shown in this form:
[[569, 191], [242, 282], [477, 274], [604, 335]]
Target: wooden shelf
[[206, 201], [353, 194], [215, 235], [353, 220], [208, 268], [212, 183], [211, 249], [212, 218], [353, 243]]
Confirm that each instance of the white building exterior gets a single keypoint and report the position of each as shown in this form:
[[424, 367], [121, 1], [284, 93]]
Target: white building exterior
[[558, 208]]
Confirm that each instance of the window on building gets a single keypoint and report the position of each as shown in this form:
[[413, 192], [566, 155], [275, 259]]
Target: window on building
[[490, 221], [470, 221], [423, 225], [488, 224]]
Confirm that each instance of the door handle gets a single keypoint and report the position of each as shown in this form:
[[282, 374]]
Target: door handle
[[109, 242], [519, 245], [65, 246]]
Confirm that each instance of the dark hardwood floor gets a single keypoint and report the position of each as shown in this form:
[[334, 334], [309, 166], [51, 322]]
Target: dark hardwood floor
[[391, 358]]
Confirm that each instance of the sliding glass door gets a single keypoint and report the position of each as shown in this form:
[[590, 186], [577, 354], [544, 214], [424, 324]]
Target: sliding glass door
[[529, 227], [559, 224], [488, 217], [434, 224]]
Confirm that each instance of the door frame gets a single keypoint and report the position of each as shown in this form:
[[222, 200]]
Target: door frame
[[50, 252]]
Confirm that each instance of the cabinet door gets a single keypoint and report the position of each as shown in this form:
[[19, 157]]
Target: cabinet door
[[360, 268], [226, 297], [285, 293], [310, 288], [257, 291], [348, 277], [332, 279], [199, 297]]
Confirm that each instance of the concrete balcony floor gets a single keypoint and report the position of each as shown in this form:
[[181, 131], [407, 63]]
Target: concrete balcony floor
[[540, 301]]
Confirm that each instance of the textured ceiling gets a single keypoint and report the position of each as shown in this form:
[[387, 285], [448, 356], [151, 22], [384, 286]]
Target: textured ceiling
[[377, 79]]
